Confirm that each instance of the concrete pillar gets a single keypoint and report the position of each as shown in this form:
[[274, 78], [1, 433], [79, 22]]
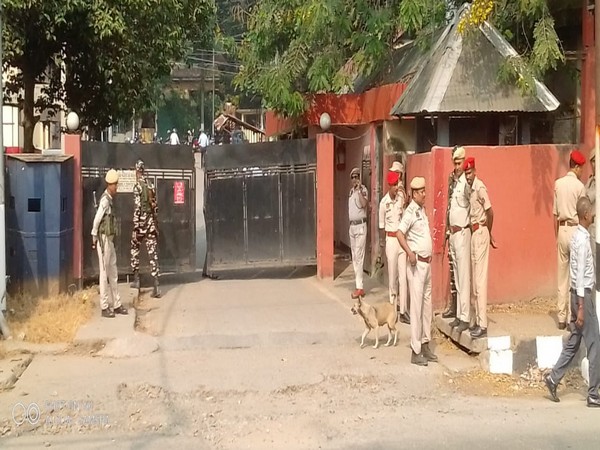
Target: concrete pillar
[[588, 97], [325, 196], [443, 133], [73, 147]]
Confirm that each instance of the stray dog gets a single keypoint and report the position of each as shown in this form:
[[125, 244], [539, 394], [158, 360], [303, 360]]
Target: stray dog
[[375, 316]]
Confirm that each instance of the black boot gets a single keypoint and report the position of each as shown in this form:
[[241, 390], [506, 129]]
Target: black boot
[[136, 280], [156, 290], [427, 353], [450, 312]]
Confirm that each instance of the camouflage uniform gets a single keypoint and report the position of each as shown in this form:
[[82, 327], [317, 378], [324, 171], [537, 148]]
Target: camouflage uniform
[[144, 225]]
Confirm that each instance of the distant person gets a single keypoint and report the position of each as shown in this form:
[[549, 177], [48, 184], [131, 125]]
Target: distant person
[[103, 233], [203, 141], [174, 138]]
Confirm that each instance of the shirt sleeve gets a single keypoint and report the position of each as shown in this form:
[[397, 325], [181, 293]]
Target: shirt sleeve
[[581, 258], [102, 207], [382, 214], [365, 192], [554, 207], [406, 222], [483, 197]]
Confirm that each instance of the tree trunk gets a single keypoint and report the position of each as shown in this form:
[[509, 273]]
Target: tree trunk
[[29, 119]]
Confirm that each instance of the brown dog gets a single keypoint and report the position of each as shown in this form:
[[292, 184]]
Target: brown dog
[[375, 316]]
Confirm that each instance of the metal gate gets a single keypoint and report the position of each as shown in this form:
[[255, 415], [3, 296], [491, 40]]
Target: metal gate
[[260, 208], [171, 169]]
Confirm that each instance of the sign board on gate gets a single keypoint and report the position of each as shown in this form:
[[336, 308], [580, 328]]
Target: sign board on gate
[[178, 193], [126, 181]]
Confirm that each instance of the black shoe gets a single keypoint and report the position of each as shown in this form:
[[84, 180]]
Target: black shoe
[[108, 313], [479, 332], [419, 359], [462, 327], [156, 291], [136, 281], [455, 323], [121, 310], [404, 318], [552, 389], [593, 402], [449, 314], [428, 354], [562, 325]]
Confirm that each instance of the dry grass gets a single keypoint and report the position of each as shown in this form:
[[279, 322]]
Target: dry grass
[[538, 305], [50, 319], [480, 382]]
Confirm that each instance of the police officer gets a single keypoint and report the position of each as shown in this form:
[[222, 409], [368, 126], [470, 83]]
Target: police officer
[[103, 233], [415, 238], [357, 216], [482, 220], [458, 158], [567, 190], [144, 227], [390, 213], [460, 249]]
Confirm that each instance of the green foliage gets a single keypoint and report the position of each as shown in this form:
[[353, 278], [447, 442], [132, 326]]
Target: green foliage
[[298, 47], [294, 47], [101, 58]]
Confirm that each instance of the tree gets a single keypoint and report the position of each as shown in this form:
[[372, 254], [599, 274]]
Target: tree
[[100, 58], [295, 47]]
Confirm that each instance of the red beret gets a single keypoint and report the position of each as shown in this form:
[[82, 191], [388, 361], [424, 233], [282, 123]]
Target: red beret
[[577, 157], [392, 178], [469, 163]]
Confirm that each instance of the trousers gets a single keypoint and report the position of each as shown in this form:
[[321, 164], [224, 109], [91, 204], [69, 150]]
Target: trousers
[[396, 261], [460, 249], [565, 234], [421, 312], [358, 240], [591, 336], [107, 261], [480, 256], [145, 230]]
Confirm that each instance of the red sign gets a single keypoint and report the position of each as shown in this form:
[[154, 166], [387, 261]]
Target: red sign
[[178, 193]]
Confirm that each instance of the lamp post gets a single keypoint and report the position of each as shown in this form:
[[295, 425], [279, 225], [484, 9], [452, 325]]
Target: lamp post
[[3, 325]]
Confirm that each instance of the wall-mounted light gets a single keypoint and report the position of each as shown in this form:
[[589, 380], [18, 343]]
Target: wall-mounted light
[[325, 121], [72, 122]]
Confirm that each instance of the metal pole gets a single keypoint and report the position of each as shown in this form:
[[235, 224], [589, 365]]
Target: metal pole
[[597, 149], [212, 120], [3, 325]]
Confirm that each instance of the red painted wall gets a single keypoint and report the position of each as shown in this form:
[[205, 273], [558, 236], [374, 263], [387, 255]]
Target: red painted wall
[[520, 182]]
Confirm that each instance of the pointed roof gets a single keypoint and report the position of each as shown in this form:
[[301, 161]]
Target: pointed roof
[[460, 74]]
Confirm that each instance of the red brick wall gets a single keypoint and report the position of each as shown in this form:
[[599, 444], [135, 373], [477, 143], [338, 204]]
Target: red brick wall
[[520, 182]]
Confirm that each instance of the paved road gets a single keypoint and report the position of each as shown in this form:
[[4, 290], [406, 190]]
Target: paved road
[[274, 363]]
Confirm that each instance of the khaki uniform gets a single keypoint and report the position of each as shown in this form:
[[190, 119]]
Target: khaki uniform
[[390, 214], [452, 181], [590, 189], [460, 246], [358, 233], [107, 257], [480, 249], [567, 190], [415, 226]]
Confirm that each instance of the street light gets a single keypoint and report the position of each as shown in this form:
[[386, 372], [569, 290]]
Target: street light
[[72, 122], [325, 121]]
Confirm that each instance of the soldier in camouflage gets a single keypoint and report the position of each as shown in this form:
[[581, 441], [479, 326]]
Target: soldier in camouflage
[[145, 226]]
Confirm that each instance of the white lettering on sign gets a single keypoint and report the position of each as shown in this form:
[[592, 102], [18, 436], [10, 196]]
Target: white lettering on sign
[[126, 181]]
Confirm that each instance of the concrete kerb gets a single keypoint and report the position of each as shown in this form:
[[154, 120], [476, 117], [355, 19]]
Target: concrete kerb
[[508, 353]]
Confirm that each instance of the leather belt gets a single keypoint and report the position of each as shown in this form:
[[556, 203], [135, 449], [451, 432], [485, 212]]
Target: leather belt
[[477, 226], [566, 223], [390, 234], [425, 260], [358, 222], [454, 229]]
